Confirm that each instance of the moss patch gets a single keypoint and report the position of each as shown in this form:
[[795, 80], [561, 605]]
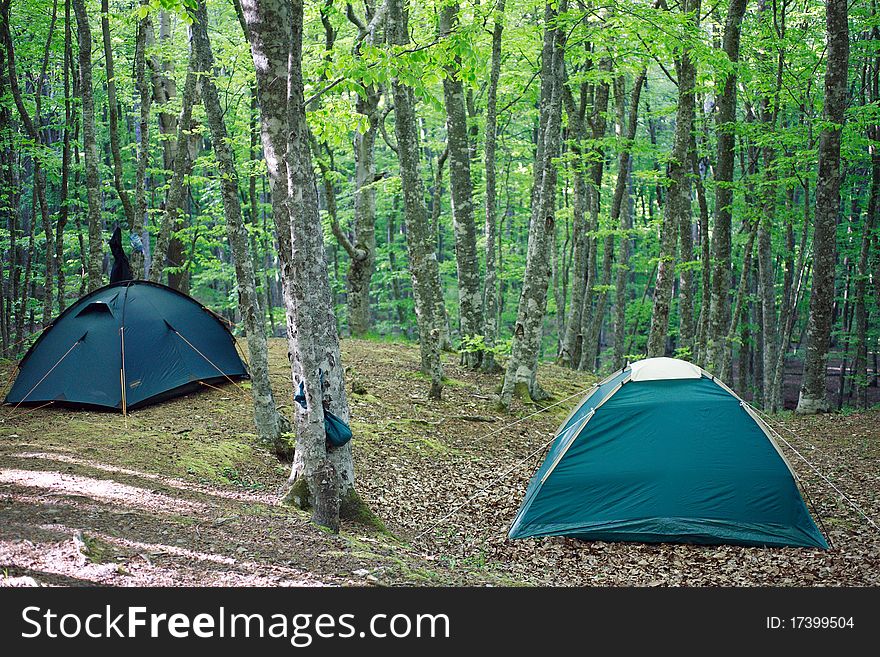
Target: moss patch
[[298, 495], [353, 508], [216, 461]]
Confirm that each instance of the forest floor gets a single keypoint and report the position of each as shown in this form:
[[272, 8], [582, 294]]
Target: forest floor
[[185, 495]]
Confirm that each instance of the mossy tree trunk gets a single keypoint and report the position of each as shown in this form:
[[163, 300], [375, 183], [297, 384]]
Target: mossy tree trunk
[[813, 397], [464, 229], [90, 146], [420, 244], [677, 211], [719, 319], [522, 365], [490, 289], [271, 425], [322, 477]]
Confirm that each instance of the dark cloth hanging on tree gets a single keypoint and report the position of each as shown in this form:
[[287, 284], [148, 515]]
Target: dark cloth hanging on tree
[[338, 432], [121, 268]]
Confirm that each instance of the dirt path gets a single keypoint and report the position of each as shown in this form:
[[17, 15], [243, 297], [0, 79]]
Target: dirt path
[[185, 496]]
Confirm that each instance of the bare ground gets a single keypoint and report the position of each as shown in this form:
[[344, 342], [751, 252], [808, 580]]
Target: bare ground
[[185, 495]]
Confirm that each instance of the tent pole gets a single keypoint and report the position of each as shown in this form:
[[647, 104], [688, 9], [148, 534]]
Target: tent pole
[[122, 377]]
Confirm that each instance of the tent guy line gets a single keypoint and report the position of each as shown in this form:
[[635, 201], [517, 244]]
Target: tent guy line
[[51, 369], [538, 412], [489, 485], [855, 506], [515, 466], [210, 362]]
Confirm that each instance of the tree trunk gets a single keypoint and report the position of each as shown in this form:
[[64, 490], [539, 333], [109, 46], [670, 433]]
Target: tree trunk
[[8, 208], [860, 364], [25, 291], [595, 171], [468, 269], [271, 426], [572, 341], [742, 292], [678, 197], [422, 255], [362, 248], [522, 365], [33, 128], [363, 255], [813, 398], [90, 147], [64, 192], [490, 288], [705, 263], [177, 188], [113, 115], [686, 328], [721, 243], [626, 130], [137, 258], [322, 477], [164, 92]]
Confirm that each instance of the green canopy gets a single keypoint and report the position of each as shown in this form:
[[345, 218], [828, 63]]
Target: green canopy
[[663, 452]]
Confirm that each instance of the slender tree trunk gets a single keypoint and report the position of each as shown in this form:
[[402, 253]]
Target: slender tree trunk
[[64, 191], [572, 341], [33, 129], [363, 255], [164, 92], [362, 248], [469, 293], [678, 198], [686, 325], [721, 236], [790, 312], [813, 398], [742, 292], [28, 258], [8, 208], [436, 237], [623, 275], [271, 426], [860, 365], [522, 365], [177, 188], [626, 131], [705, 263], [90, 146], [595, 171], [422, 255], [113, 115], [137, 258], [490, 288], [556, 275]]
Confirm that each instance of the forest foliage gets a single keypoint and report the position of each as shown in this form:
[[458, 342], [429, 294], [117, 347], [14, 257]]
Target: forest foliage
[[350, 65]]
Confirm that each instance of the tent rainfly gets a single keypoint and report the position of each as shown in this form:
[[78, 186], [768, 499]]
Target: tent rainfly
[[662, 451], [127, 345]]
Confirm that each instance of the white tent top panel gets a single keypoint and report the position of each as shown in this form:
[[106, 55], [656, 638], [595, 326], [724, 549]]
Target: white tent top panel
[[654, 369]]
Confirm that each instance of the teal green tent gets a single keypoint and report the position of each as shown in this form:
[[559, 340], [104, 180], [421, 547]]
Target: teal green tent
[[664, 452], [127, 345]]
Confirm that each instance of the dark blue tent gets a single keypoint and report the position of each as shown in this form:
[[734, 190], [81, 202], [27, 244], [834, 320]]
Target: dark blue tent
[[127, 345]]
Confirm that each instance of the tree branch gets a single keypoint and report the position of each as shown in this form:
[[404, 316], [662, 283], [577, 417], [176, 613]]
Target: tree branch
[[388, 139]]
